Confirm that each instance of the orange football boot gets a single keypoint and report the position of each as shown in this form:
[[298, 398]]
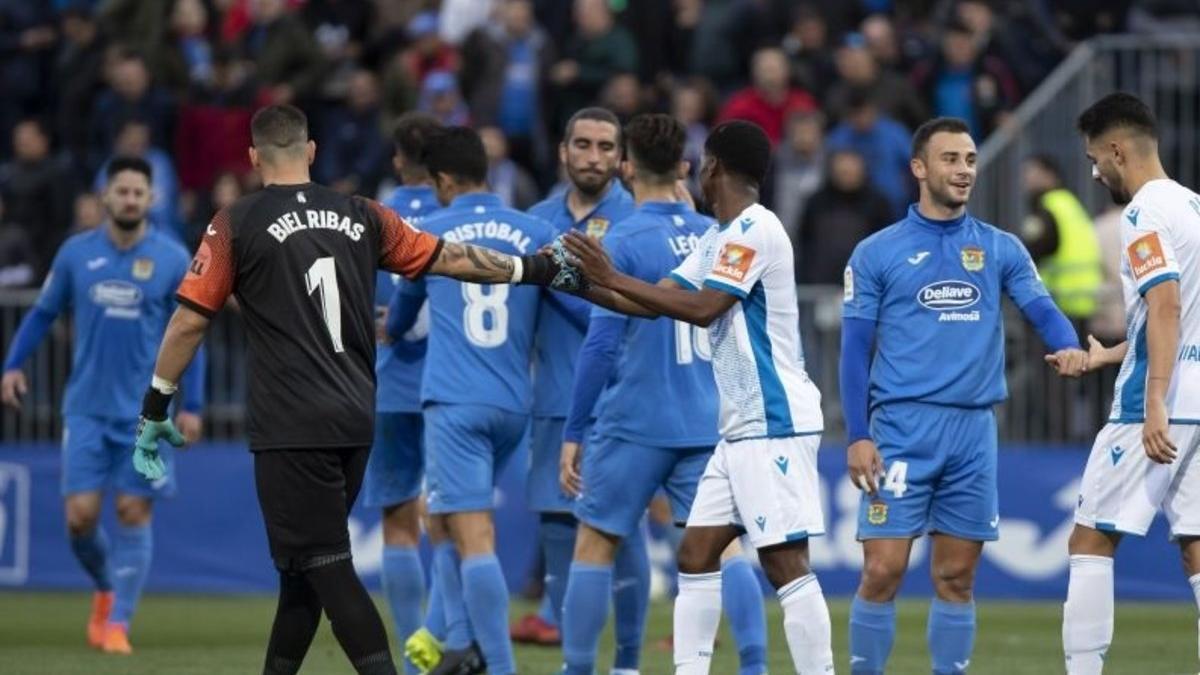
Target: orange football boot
[[102, 602], [116, 639]]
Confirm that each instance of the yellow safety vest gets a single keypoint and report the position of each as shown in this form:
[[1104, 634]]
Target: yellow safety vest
[[1073, 273]]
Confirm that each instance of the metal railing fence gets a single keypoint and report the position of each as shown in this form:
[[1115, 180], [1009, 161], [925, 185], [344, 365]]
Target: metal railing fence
[[1041, 407]]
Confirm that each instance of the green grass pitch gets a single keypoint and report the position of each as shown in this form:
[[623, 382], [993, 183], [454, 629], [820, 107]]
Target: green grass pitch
[[42, 633]]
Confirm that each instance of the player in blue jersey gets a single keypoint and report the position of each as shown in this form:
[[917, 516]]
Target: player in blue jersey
[[397, 464], [761, 480], [926, 292], [636, 449], [119, 283], [476, 388], [592, 202]]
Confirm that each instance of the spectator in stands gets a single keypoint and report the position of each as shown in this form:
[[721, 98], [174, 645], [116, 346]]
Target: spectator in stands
[[342, 28], [288, 64], [355, 152], [504, 65], [140, 26], [599, 50], [842, 213], [189, 63], [885, 45], [961, 82], [440, 98], [133, 140], [18, 262], [882, 141], [694, 104], [622, 95], [130, 95], [427, 53], [1061, 239], [37, 189], [459, 18], [27, 36], [78, 78], [807, 47], [725, 36], [771, 97], [799, 168], [89, 212], [505, 177], [857, 69]]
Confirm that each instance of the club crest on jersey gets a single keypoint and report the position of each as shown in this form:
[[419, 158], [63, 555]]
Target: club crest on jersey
[[597, 227], [143, 268], [734, 261], [1146, 256], [877, 513], [972, 258]]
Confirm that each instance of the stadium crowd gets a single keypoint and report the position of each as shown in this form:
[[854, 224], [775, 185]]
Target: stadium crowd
[[837, 86]]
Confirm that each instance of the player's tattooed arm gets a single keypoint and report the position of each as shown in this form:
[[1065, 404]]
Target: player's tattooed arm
[[483, 265]]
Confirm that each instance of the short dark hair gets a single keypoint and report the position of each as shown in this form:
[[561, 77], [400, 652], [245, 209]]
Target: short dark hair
[[277, 127], [596, 114], [741, 148], [921, 136], [1119, 109], [457, 151], [126, 163], [412, 132], [654, 141]]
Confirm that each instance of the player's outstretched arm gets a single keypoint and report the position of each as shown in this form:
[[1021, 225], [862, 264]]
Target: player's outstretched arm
[[1100, 356], [1162, 343], [666, 297], [483, 265]]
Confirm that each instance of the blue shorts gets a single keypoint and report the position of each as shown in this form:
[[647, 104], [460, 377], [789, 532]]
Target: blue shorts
[[397, 464], [541, 488], [97, 453], [466, 448], [620, 478], [940, 473]]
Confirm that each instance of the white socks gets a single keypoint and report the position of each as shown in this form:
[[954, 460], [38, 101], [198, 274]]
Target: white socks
[[697, 617], [1088, 614], [806, 625], [1194, 580]]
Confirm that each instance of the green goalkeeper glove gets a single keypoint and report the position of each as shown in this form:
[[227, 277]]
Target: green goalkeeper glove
[[153, 426]]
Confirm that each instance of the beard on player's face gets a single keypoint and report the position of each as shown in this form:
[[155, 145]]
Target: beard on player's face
[[127, 218], [589, 180]]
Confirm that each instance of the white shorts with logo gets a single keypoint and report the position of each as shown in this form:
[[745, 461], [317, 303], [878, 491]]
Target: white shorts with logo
[[1122, 488], [767, 486]]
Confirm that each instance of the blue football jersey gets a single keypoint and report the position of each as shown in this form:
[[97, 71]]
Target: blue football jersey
[[481, 335], [663, 393], [934, 290], [120, 302], [398, 365], [558, 338]]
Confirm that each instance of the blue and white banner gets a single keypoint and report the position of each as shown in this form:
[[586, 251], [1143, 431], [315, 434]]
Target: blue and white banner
[[210, 538]]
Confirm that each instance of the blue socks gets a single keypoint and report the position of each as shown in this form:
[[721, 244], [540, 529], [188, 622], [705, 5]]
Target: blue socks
[[951, 635], [435, 613], [742, 600], [487, 604], [631, 598], [91, 550], [872, 632], [454, 610], [558, 547], [131, 553], [404, 585], [585, 613]]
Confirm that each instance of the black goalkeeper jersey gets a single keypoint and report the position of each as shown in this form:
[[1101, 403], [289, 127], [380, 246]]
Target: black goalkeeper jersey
[[301, 262]]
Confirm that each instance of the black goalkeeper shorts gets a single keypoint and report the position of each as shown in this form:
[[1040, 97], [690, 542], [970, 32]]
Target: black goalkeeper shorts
[[306, 496]]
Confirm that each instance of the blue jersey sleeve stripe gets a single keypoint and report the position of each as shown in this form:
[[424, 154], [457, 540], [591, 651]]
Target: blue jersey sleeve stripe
[[727, 288], [678, 278], [775, 401], [1145, 288]]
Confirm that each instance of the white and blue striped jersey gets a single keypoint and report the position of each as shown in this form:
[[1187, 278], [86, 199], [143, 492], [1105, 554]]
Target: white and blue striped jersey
[[756, 353], [1160, 241]]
